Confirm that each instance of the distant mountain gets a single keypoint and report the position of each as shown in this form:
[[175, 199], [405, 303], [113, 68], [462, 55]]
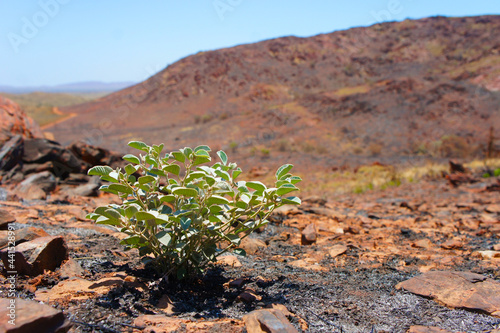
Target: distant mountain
[[385, 92], [77, 87]]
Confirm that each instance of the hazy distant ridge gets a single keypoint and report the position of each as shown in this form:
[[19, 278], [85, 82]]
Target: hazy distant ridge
[[80, 87]]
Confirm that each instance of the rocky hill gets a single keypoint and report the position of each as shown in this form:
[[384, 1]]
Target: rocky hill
[[428, 87]]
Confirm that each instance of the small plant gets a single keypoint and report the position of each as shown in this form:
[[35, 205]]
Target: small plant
[[182, 214]]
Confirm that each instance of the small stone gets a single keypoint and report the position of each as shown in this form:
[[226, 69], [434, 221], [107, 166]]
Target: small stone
[[488, 254], [229, 261], [268, 320], [496, 247], [86, 190], [452, 244], [309, 235], [237, 283], [315, 200], [30, 316], [337, 250], [424, 243], [165, 305], [33, 257], [5, 219], [252, 245], [70, 268], [248, 296]]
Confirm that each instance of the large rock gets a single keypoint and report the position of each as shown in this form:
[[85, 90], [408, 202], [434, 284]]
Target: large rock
[[94, 155], [36, 186], [164, 324], [457, 290], [13, 121], [21, 235], [30, 317], [40, 151], [11, 153], [33, 257], [268, 320], [5, 219]]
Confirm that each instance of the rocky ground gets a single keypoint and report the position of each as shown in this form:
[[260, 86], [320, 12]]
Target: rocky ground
[[415, 258]]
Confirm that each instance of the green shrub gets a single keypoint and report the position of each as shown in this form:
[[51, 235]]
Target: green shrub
[[182, 214], [496, 173]]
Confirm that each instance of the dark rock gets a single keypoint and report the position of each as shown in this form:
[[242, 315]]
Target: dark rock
[[87, 190], [315, 200], [268, 320], [33, 257], [456, 167], [30, 316], [94, 155], [5, 219], [309, 235], [11, 153], [457, 290], [248, 296], [37, 168], [44, 180], [42, 150]]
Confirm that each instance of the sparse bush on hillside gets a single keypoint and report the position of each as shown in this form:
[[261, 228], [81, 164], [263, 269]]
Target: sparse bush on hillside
[[182, 214]]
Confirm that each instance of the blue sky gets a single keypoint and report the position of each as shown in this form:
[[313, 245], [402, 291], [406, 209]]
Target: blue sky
[[48, 42]]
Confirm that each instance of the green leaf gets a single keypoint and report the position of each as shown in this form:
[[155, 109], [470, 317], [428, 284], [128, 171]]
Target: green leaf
[[235, 239], [286, 188], [112, 214], [223, 174], [185, 222], [105, 188], [132, 240], [143, 216], [217, 200], [157, 172], [215, 209], [295, 179], [240, 252], [130, 169], [291, 201], [173, 169], [139, 145], [151, 161], [187, 192], [236, 173], [178, 156], [131, 210], [206, 148], [159, 148], [186, 151], [132, 159], [194, 175], [283, 170], [201, 160], [256, 185], [100, 170], [121, 188], [167, 198], [223, 157], [105, 220], [146, 179], [164, 238], [202, 153]]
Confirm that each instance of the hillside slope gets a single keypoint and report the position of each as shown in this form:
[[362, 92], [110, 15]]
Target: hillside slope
[[391, 90]]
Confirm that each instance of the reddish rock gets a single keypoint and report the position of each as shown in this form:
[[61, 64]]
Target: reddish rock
[[268, 320], [14, 121], [33, 257], [44, 180], [457, 290], [309, 235], [79, 289], [5, 219], [42, 150], [164, 324], [21, 235], [229, 260], [337, 250], [248, 296], [31, 317], [252, 245], [70, 268]]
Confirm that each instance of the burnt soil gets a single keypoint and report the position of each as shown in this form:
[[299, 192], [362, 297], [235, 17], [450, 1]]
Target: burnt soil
[[352, 292]]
